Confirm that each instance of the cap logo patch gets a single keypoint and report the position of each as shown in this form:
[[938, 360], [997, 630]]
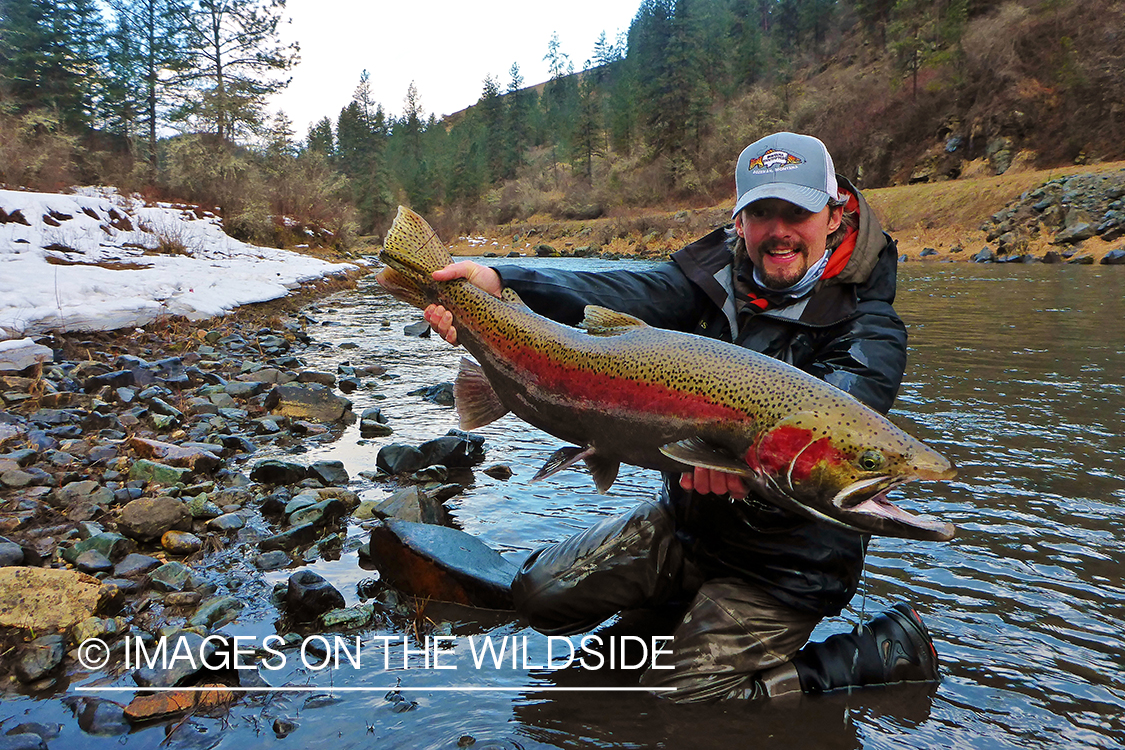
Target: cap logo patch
[[774, 159]]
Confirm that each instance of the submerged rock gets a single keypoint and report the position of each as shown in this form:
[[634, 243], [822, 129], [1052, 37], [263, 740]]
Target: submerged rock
[[310, 595]]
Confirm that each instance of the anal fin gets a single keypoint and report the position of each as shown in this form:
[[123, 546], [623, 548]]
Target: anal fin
[[603, 470], [477, 402]]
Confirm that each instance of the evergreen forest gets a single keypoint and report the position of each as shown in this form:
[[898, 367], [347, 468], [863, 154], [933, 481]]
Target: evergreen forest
[[168, 98]]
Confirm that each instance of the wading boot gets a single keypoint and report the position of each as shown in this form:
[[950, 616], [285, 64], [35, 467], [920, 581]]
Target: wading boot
[[893, 647]]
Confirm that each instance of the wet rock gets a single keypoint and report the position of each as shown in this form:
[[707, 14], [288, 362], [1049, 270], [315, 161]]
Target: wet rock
[[93, 627], [97, 716], [330, 473], [1081, 260], [226, 523], [320, 378], [273, 471], [171, 576], [986, 255], [178, 671], [413, 504], [200, 507], [309, 401], [349, 618], [46, 599], [421, 329], [46, 732], [503, 472], [284, 726], [40, 657], [181, 543], [216, 612], [296, 536], [274, 560], [443, 564], [135, 565], [22, 741], [440, 394], [165, 705], [457, 449], [147, 519], [110, 544], [399, 458], [308, 595], [93, 562], [183, 599]]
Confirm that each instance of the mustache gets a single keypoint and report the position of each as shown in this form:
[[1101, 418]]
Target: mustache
[[774, 245]]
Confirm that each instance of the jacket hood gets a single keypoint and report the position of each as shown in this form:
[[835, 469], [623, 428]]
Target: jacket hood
[[869, 243]]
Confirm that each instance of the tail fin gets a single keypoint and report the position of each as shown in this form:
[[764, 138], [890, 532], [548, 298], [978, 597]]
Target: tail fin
[[412, 245]]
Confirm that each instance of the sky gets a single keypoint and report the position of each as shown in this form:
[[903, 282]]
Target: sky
[[217, 274], [446, 48]]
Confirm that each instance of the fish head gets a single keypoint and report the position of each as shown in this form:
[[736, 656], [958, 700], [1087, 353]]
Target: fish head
[[838, 467]]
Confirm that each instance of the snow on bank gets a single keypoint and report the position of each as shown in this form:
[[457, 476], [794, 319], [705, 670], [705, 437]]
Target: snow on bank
[[98, 260]]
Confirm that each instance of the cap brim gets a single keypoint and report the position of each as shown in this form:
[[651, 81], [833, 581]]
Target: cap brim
[[807, 198]]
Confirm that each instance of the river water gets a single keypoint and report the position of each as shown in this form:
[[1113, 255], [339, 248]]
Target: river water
[[1017, 373]]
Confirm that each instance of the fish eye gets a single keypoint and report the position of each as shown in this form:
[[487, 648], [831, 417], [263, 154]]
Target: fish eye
[[871, 461]]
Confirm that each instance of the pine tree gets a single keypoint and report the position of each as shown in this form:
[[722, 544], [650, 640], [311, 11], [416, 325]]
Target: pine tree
[[238, 55], [520, 104], [321, 138]]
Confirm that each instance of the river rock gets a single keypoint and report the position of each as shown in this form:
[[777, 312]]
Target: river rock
[[110, 544], [169, 704], [412, 504], [93, 562], [98, 716], [986, 255], [309, 595], [199, 459], [181, 543], [440, 394], [307, 401], [135, 565], [46, 599], [172, 576], [296, 536], [441, 563], [503, 472], [456, 449], [320, 378], [330, 473], [216, 612], [147, 519], [226, 523], [22, 741], [191, 649], [40, 657], [421, 329], [399, 458], [19, 354], [273, 560], [151, 471], [273, 471], [1114, 257]]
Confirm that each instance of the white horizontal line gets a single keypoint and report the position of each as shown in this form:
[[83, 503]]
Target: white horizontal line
[[392, 688]]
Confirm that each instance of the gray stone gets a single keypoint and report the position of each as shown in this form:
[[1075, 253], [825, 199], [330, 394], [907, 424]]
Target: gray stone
[[40, 657], [19, 354], [226, 522], [216, 612], [293, 537], [399, 458], [172, 576], [179, 671], [309, 595], [273, 471], [151, 471], [310, 401], [330, 473], [349, 618], [321, 378], [10, 554], [1114, 257], [134, 565], [147, 519], [111, 545], [22, 741], [272, 560], [319, 513], [98, 716], [91, 561], [413, 504]]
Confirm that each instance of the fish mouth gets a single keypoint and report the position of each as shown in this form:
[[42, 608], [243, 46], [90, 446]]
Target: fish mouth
[[858, 507]]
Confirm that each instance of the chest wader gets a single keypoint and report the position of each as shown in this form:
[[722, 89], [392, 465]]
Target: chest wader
[[735, 640]]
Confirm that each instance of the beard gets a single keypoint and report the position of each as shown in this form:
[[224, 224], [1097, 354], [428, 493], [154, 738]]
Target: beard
[[784, 277]]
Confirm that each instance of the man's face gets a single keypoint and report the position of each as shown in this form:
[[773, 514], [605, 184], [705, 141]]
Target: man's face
[[783, 240]]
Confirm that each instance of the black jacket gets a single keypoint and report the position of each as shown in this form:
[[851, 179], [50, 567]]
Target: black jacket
[[845, 332]]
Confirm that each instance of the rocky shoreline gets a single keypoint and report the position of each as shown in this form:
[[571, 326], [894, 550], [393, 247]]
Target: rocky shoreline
[[134, 502]]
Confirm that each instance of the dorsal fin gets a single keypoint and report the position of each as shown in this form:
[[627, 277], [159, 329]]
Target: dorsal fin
[[601, 321], [509, 295]]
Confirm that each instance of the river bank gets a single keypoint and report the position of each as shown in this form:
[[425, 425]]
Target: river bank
[[950, 220]]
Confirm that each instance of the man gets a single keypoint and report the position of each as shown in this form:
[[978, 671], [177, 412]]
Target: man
[[808, 277]]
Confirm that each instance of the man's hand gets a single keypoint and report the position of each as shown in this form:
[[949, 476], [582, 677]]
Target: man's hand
[[440, 319], [709, 481]]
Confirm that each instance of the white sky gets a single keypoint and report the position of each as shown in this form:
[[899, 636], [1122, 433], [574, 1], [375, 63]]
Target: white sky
[[445, 47]]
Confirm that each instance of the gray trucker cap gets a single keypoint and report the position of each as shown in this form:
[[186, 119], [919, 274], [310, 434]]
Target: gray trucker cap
[[792, 167]]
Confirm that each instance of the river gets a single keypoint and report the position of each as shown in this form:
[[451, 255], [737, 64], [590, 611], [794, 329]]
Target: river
[[1017, 373]]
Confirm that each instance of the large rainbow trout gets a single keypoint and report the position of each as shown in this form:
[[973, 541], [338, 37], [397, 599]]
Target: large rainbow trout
[[624, 392]]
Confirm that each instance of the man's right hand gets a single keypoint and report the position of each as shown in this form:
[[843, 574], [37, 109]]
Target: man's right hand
[[440, 319]]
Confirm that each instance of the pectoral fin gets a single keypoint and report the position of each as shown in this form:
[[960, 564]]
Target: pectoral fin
[[699, 453], [601, 321], [477, 402]]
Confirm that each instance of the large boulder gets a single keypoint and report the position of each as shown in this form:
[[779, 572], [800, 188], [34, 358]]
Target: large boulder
[[443, 564], [46, 599]]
